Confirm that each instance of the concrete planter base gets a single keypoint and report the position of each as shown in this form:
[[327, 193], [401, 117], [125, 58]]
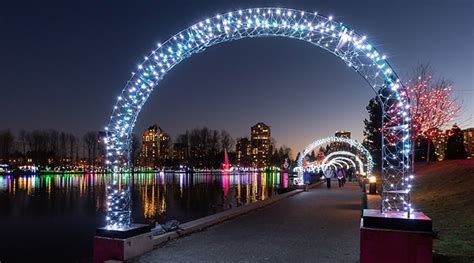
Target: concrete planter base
[[106, 248], [392, 238]]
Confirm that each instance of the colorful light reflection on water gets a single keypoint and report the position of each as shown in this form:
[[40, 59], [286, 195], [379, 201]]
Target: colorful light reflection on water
[[55, 216]]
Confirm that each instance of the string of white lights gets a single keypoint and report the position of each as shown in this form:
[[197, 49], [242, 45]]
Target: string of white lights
[[118, 202]]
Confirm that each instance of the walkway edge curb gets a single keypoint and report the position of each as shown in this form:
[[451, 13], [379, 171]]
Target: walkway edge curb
[[205, 222]]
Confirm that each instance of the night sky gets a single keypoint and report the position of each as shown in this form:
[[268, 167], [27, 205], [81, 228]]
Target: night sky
[[62, 65]]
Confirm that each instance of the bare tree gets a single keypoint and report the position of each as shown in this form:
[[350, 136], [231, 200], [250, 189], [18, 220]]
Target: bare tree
[[22, 137], [53, 148], [90, 141], [432, 106], [62, 147], [7, 141], [226, 141], [72, 146], [205, 146], [214, 140]]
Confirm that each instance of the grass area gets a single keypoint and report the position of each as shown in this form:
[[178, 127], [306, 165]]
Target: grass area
[[444, 191]]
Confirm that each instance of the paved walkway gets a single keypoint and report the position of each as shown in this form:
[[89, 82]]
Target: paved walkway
[[321, 225]]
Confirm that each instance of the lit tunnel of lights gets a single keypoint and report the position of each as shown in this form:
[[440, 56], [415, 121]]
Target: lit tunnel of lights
[[341, 162], [321, 31], [336, 162], [347, 157], [333, 139]]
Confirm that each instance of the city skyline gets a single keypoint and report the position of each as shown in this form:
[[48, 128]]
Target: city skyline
[[296, 105]]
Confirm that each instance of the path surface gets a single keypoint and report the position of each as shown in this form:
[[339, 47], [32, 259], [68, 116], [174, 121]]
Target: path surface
[[320, 225]]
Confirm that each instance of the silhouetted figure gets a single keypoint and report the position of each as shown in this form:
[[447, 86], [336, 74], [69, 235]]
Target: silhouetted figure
[[329, 173], [340, 177], [350, 173], [344, 176], [307, 180]]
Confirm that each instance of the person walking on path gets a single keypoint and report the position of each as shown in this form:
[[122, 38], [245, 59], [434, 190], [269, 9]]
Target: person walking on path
[[350, 173], [329, 173], [344, 176], [307, 180], [340, 176]]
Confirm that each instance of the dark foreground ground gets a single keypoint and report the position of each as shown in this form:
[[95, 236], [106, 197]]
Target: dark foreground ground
[[445, 192], [317, 226]]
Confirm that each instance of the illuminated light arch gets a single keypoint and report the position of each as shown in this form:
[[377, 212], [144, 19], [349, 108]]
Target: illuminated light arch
[[333, 165], [353, 143], [336, 162], [332, 159], [326, 163], [342, 159], [321, 31], [346, 160], [339, 163], [346, 153]]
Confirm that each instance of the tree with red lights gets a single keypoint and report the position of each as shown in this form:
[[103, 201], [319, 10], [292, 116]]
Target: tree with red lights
[[431, 105]]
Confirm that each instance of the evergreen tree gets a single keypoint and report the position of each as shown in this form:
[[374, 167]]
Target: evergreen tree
[[372, 132], [298, 156], [328, 150], [7, 141], [279, 155], [455, 145], [312, 156]]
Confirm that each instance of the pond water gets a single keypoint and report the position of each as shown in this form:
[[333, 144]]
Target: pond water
[[54, 217]]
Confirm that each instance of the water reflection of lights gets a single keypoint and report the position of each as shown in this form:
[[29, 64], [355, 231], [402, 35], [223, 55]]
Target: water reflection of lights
[[156, 192], [225, 183], [149, 202], [236, 188], [181, 175]]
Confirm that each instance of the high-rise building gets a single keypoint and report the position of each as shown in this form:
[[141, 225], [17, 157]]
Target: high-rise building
[[343, 134], [155, 147], [243, 152], [260, 145], [469, 142], [165, 153]]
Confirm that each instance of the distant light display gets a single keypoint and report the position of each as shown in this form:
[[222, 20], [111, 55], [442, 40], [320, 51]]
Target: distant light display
[[341, 154], [324, 141], [321, 31]]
